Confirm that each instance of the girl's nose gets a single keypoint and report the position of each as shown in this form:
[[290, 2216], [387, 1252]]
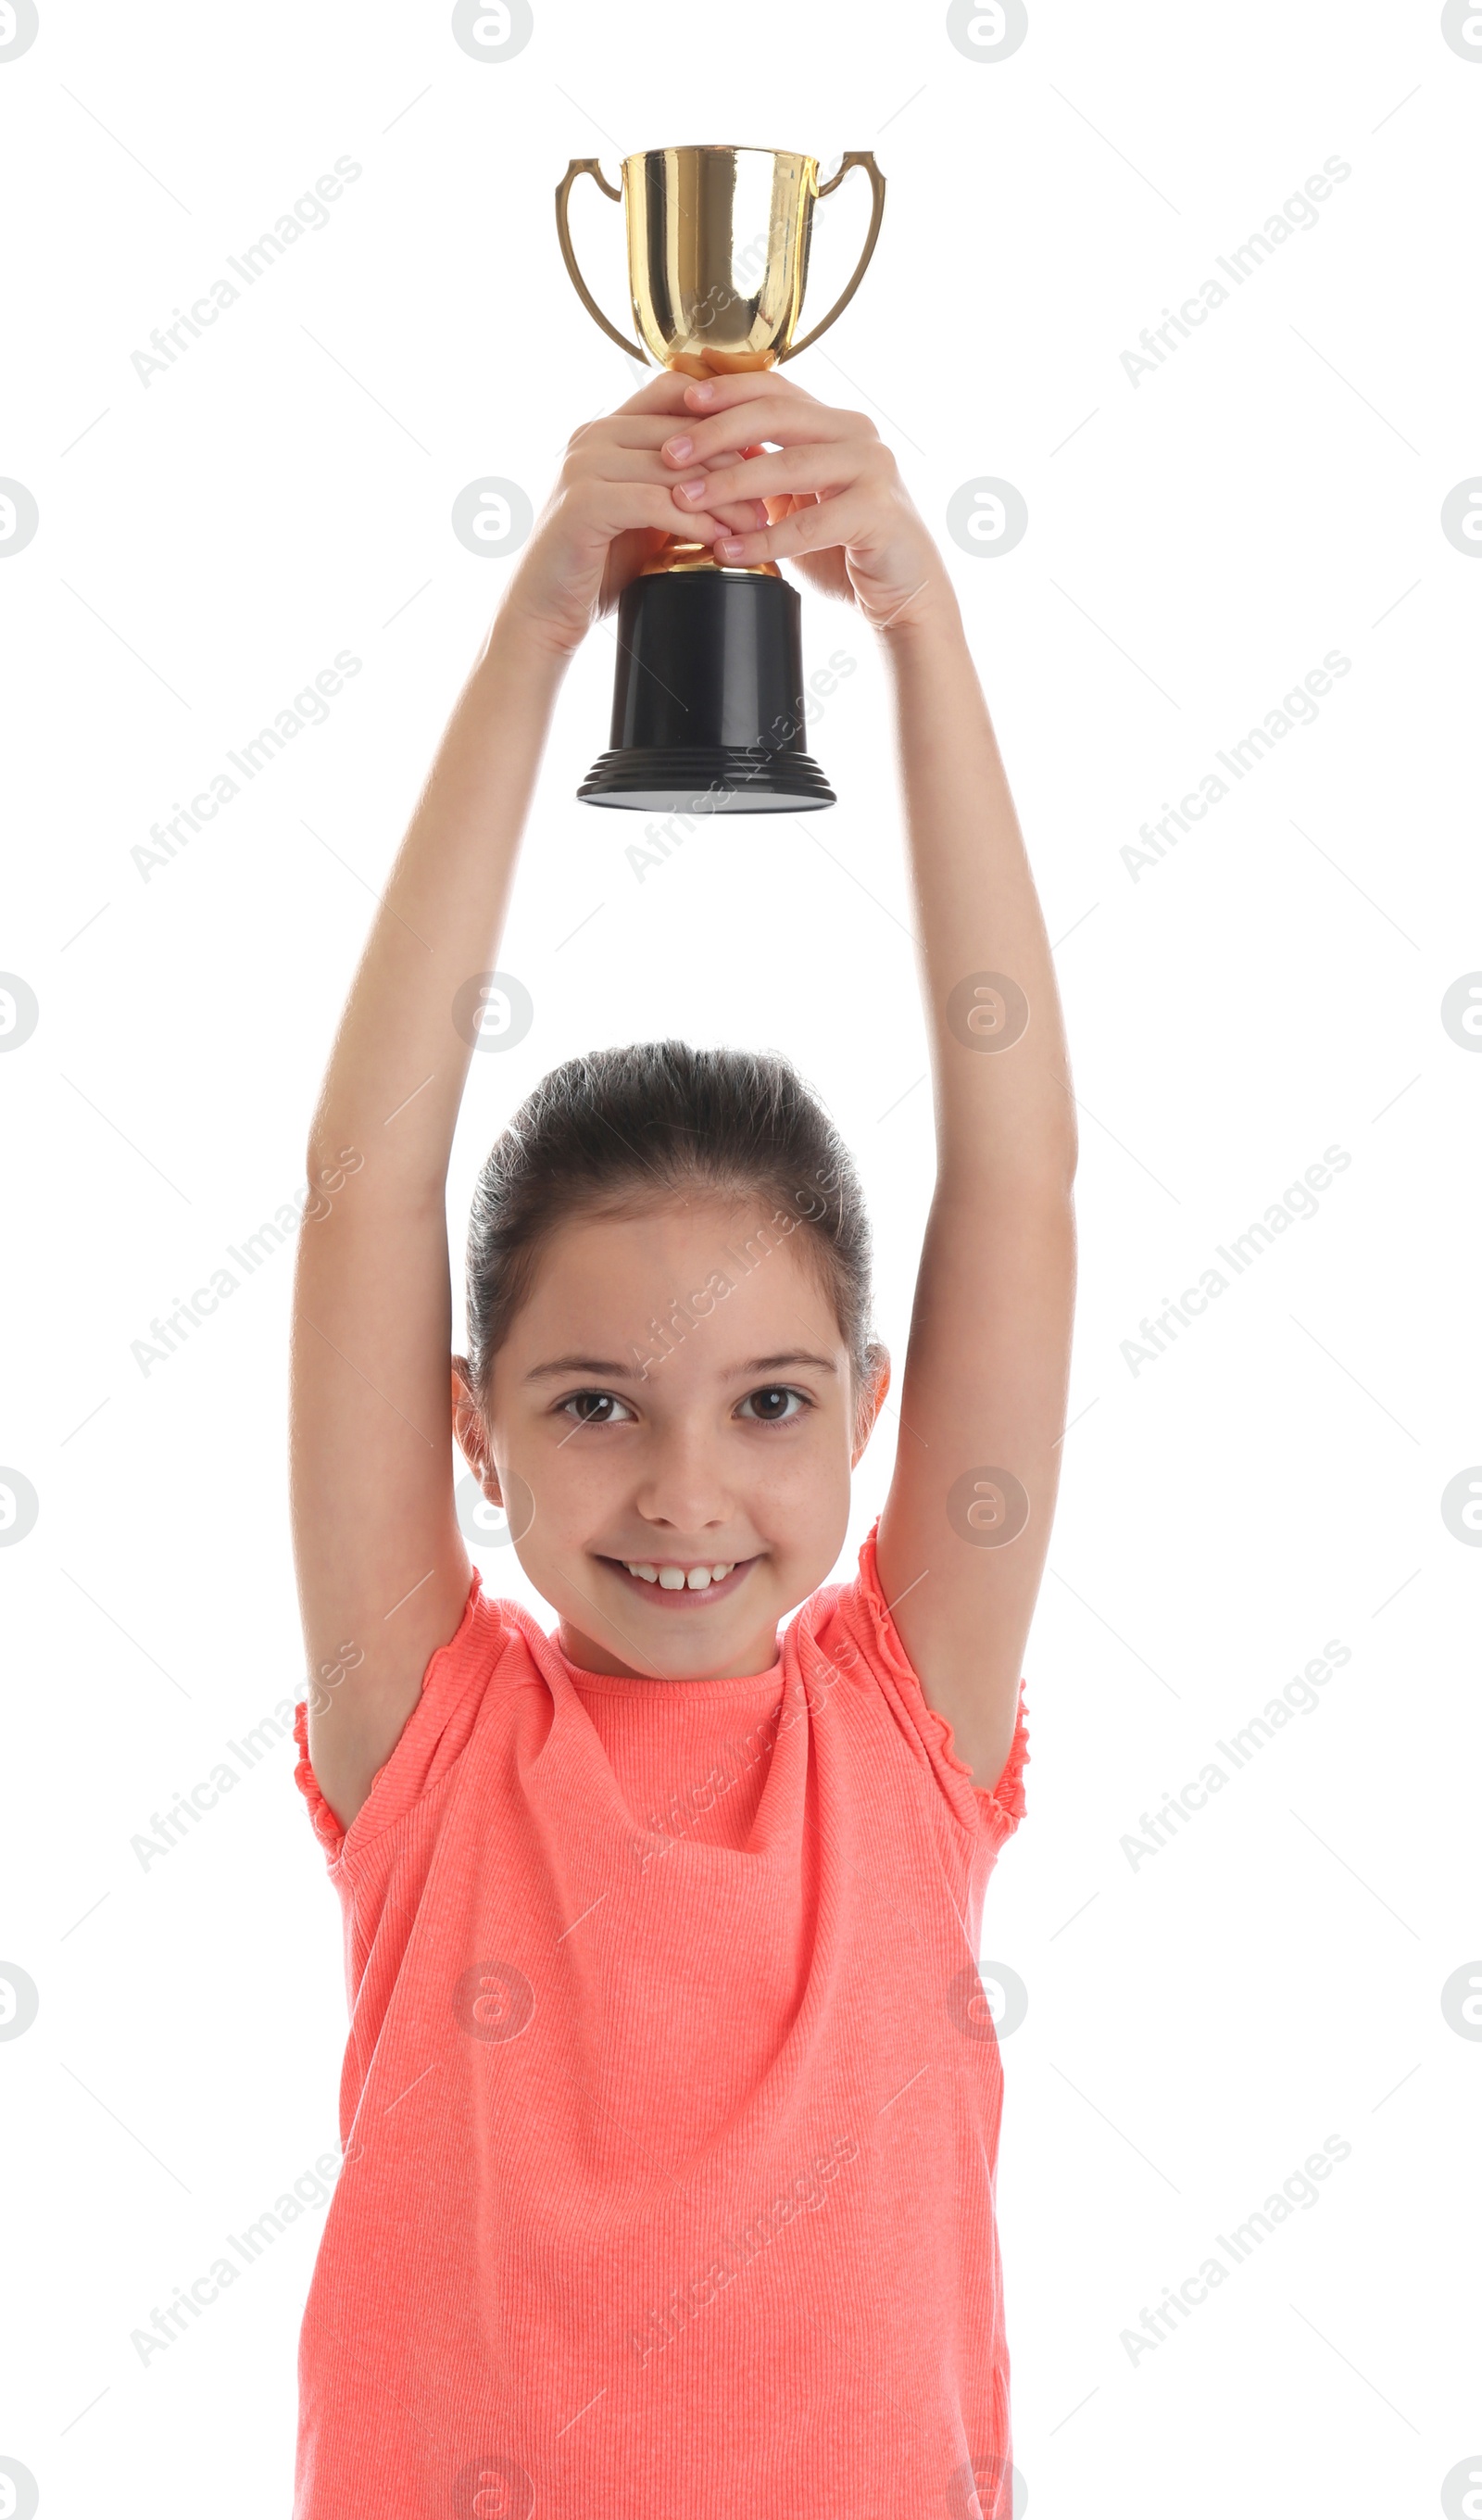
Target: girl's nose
[[683, 1491]]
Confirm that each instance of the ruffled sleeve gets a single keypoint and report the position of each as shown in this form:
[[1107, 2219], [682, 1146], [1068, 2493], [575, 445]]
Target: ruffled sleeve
[[993, 1811]]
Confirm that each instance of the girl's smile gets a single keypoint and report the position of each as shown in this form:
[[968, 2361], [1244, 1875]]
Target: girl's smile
[[670, 1584]]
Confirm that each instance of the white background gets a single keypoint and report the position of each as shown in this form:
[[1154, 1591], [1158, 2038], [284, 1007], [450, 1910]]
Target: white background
[[1197, 542]]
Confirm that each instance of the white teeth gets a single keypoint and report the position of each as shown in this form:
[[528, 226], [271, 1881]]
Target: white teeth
[[675, 1579]]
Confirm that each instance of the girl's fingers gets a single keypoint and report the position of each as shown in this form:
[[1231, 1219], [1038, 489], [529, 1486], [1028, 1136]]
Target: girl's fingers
[[670, 391], [737, 516], [791, 424], [821, 526], [821, 469], [641, 427], [613, 459], [609, 465], [607, 509], [657, 429], [609, 461], [620, 459], [664, 393], [750, 384]]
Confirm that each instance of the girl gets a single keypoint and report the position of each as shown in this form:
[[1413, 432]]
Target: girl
[[671, 2101]]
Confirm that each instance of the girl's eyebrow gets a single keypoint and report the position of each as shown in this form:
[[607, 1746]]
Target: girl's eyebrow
[[614, 1372], [582, 1365], [793, 1356]]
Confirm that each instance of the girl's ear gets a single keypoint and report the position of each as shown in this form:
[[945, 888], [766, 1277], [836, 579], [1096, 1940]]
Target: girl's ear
[[871, 1396], [471, 1432]]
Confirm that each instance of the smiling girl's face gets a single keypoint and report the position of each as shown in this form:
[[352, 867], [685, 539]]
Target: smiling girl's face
[[732, 1452]]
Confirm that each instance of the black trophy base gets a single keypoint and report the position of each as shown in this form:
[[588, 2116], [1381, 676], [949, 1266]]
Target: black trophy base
[[707, 704], [715, 779]]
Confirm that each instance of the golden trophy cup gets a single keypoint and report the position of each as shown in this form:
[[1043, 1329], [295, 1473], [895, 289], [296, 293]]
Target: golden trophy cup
[[707, 704]]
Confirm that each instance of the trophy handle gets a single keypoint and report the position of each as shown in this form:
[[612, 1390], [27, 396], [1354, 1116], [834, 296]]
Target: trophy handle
[[852, 157], [590, 167]]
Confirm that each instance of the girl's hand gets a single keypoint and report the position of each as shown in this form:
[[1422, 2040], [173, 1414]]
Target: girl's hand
[[834, 501], [612, 509]]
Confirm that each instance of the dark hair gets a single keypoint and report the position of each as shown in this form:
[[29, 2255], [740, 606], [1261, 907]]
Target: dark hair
[[615, 1132]]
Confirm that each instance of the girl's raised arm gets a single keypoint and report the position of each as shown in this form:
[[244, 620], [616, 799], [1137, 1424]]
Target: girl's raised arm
[[964, 1529], [383, 1572]]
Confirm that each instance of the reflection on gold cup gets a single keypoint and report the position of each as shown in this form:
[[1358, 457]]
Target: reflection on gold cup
[[707, 708]]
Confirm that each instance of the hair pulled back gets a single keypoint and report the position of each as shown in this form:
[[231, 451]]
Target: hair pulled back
[[618, 1132]]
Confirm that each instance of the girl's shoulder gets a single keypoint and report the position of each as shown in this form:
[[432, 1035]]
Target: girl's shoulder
[[845, 1631], [490, 1650]]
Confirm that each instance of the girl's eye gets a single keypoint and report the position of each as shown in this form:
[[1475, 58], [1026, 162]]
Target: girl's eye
[[772, 1393], [770, 1405], [593, 1407]]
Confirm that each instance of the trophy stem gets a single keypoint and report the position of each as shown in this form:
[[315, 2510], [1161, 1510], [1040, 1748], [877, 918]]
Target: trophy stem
[[678, 554]]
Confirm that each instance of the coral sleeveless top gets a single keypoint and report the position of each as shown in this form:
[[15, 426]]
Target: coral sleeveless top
[[670, 2106]]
